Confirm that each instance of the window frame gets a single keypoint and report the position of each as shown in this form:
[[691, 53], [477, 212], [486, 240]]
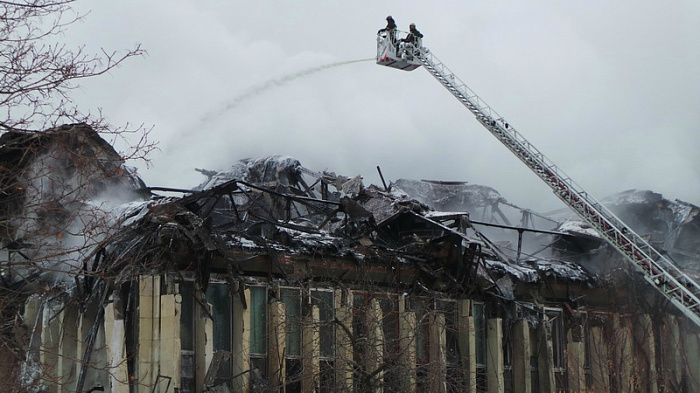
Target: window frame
[[326, 325], [480, 347]]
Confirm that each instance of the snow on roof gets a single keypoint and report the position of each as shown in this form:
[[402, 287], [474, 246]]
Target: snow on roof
[[580, 228]]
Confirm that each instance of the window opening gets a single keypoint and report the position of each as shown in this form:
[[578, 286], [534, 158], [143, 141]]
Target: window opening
[[258, 321], [291, 298], [324, 300], [508, 377], [258, 337], [555, 318], [479, 333], [478, 312], [218, 296], [359, 308], [187, 338], [390, 328], [420, 307], [587, 360], [535, 351], [456, 381]]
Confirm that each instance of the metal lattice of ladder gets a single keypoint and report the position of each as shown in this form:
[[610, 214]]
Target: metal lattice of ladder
[[674, 284]]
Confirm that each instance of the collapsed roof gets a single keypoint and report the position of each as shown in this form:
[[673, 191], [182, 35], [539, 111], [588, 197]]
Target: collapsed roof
[[275, 209], [273, 216], [670, 226]]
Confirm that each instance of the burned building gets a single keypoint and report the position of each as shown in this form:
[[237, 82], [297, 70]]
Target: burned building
[[274, 277]]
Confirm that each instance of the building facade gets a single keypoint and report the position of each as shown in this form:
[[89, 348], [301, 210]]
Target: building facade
[[275, 278]]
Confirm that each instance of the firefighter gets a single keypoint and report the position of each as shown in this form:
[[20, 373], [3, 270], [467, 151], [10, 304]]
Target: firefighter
[[390, 30], [413, 35], [413, 38], [390, 26]]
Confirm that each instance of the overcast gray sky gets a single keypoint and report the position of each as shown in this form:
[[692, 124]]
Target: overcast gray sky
[[608, 90]]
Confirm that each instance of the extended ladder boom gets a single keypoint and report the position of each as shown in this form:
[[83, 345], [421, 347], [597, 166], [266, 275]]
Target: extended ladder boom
[[675, 285]]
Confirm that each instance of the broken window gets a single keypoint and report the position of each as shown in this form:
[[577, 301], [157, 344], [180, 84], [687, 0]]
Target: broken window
[[258, 332], [449, 308], [291, 298], [478, 312], [555, 318], [534, 355], [187, 338], [390, 328], [420, 307], [587, 360], [324, 300], [455, 378], [508, 377], [556, 321], [580, 332], [219, 298], [360, 344]]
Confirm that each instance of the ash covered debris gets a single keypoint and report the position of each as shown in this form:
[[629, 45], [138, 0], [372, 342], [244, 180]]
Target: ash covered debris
[[671, 227], [450, 195], [482, 202], [274, 206]]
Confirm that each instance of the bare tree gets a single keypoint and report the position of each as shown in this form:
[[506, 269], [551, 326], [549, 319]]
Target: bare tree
[[37, 72], [55, 201]]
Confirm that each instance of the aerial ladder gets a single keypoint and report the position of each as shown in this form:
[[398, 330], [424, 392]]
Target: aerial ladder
[[681, 290]]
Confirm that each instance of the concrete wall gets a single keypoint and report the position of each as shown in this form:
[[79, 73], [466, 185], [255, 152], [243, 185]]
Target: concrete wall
[[374, 359], [522, 351], [467, 342], [311, 351], [437, 352], [276, 320], [407, 351], [241, 343], [494, 355], [672, 356], [600, 360], [645, 365]]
